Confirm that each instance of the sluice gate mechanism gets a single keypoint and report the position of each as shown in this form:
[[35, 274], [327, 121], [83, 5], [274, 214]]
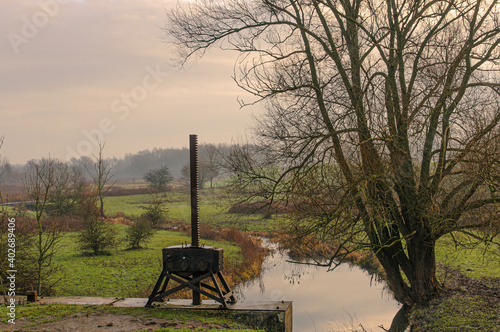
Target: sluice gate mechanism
[[193, 266]]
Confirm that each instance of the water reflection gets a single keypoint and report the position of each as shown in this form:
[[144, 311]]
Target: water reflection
[[345, 299], [400, 322]]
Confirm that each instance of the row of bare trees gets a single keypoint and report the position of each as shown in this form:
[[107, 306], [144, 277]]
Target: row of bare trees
[[210, 166], [382, 123], [58, 198]]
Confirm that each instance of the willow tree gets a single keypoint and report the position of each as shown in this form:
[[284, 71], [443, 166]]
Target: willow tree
[[383, 116]]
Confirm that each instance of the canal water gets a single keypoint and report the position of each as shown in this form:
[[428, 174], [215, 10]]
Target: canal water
[[344, 299]]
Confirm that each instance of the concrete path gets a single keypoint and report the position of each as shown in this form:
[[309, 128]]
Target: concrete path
[[272, 315]]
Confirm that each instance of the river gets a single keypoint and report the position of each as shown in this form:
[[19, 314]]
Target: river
[[337, 300]]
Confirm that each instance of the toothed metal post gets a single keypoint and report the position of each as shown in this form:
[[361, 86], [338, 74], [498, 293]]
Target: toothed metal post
[[189, 265], [195, 229]]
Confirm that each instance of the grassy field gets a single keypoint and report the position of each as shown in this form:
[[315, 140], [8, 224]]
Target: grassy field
[[124, 273], [213, 210], [474, 261], [128, 273], [133, 273], [458, 312]]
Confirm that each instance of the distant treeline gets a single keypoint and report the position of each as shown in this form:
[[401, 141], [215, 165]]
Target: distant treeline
[[136, 165], [131, 166]]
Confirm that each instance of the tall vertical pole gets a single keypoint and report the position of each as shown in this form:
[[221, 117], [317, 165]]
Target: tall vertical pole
[[195, 229]]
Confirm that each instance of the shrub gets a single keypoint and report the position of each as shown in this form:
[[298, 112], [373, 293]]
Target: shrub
[[155, 211], [96, 235], [26, 256], [140, 231]]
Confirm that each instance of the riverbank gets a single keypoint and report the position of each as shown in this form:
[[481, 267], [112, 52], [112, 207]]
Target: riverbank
[[465, 304], [470, 296], [470, 279]]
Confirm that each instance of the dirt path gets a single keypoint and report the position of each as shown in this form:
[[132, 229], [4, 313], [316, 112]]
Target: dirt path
[[109, 322], [488, 288]]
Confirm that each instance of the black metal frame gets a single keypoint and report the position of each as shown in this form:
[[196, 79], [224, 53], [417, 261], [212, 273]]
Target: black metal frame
[[193, 281]]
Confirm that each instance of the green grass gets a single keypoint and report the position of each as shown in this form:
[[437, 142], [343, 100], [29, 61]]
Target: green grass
[[129, 205], [37, 315], [133, 273], [475, 261], [458, 313], [124, 273], [213, 210], [463, 309]]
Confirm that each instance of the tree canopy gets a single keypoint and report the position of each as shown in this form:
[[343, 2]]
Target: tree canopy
[[159, 178], [382, 118]]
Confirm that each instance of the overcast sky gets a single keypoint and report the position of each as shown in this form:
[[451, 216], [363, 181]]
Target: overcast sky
[[74, 70]]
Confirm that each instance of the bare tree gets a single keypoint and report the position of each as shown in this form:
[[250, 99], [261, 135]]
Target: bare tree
[[39, 185], [102, 176], [209, 165], [377, 114], [5, 166]]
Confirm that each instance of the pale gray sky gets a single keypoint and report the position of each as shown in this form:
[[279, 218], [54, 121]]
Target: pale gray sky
[[72, 70]]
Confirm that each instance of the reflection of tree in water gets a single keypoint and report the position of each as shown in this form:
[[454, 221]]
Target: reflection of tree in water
[[399, 323], [277, 264], [293, 278], [293, 273], [283, 279], [297, 273], [262, 286]]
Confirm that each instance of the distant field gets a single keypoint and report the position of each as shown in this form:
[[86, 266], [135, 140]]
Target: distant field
[[213, 210]]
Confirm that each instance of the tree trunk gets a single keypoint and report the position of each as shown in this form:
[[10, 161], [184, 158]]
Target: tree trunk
[[102, 206], [420, 284], [39, 264], [395, 281], [424, 285]]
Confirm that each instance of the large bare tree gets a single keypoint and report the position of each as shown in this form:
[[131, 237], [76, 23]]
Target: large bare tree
[[379, 115]]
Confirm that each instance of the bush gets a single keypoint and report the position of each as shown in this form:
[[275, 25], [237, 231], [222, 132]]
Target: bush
[[27, 254], [137, 234], [155, 211], [96, 236]]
